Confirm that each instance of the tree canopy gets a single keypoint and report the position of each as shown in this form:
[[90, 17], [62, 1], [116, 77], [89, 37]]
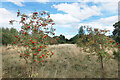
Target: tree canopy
[[116, 31]]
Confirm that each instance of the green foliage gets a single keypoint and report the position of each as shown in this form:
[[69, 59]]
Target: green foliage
[[116, 31], [53, 40], [73, 39], [8, 35], [96, 41], [34, 36], [116, 54], [62, 39], [77, 36], [81, 31]]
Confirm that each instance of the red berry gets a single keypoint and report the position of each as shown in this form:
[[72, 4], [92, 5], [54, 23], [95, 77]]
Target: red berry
[[95, 29], [35, 13], [39, 61], [33, 42], [40, 57], [111, 41], [23, 18], [33, 47], [27, 55], [10, 21], [30, 40], [52, 53], [35, 37], [37, 22], [14, 42], [18, 12], [35, 54], [40, 46], [39, 49], [34, 60], [43, 55], [53, 23], [16, 36], [27, 51], [45, 36], [25, 32], [28, 27], [45, 46], [41, 13]]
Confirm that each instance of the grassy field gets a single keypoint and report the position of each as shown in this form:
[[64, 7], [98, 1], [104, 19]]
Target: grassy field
[[67, 62]]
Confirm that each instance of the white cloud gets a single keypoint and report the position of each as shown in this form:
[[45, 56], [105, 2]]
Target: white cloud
[[109, 20], [74, 13], [64, 18], [6, 16], [105, 5], [102, 23], [96, 1], [78, 10], [17, 2], [42, 1], [111, 7]]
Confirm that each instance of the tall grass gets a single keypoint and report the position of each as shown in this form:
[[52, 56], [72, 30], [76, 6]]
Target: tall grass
[[68, 62]]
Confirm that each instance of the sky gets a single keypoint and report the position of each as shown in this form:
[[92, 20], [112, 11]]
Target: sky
[[68, 15]]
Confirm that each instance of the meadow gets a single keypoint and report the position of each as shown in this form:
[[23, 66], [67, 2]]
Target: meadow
[[68, 61]]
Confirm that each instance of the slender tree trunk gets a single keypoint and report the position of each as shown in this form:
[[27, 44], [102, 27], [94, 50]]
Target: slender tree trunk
[[32, 71], [26, 60], [119, 62], [33, 68], [102, 66]]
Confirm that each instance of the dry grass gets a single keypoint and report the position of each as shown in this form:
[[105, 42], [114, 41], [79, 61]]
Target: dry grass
[[68, 62]]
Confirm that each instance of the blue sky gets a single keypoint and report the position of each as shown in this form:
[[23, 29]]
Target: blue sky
[[68, 16]]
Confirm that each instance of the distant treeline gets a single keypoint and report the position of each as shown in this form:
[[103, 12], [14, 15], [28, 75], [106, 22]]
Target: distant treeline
[[8, 35]]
